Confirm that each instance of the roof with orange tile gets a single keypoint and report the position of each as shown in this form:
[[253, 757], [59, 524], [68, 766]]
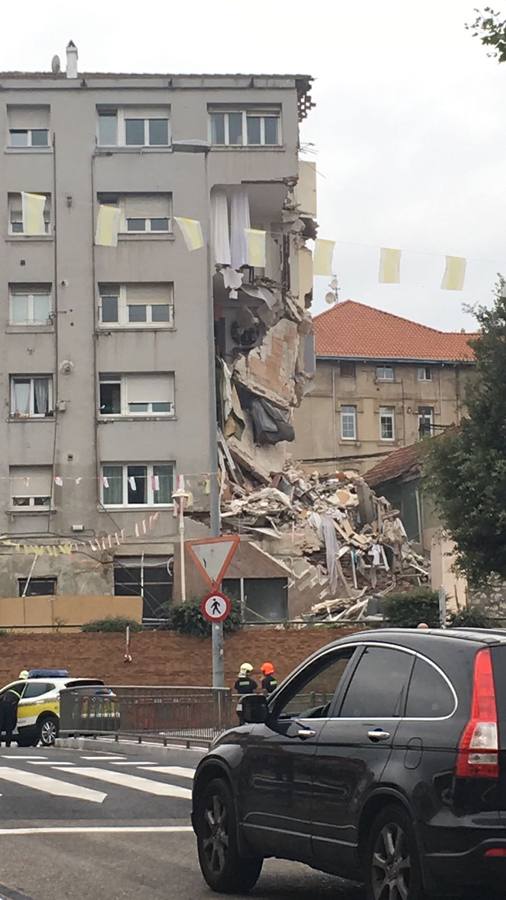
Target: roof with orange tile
[[402, 462], [352, 330]]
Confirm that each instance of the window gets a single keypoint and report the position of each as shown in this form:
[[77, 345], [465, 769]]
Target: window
[[347, 369], [378, 687], [142, 213], [16, 215], [424, 373], [28, 126], [238, 128], [349, 423], [387, 423], [30, 488], [425, 420], [29, 304], [429, 694], [313, 691], [137, 485], [37, 587], [37, 689], [149, 577], [384, 373], [137, 395], [133, 126], [31, 396], [137, 305], [263, 599]]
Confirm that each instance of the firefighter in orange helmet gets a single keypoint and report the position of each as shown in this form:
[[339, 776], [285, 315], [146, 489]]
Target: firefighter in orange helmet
[[269, 680]]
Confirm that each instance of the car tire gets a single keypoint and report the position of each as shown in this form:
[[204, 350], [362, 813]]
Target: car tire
[[224, 869], [392, 860], [48, 728]]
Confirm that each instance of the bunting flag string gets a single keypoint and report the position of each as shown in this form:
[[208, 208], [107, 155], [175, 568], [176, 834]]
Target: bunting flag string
[[32, 212], [191, 230], [454, 274], [96, 545], [390, 266], [108, 225]]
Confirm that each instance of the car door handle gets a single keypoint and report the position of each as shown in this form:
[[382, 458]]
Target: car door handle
[[305, 733], [377, 734]]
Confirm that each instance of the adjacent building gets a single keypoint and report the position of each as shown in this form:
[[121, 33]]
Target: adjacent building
[[381, 383], [106, 351]]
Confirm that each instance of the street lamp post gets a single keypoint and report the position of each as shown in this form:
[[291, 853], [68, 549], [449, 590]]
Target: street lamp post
[[203, 147]]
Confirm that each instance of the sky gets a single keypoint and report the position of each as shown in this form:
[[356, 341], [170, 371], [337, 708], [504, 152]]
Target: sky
[[408, 135]]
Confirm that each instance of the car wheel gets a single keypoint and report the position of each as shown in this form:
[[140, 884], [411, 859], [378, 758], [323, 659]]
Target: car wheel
[[392, 863], [48, 730], [221, 864]]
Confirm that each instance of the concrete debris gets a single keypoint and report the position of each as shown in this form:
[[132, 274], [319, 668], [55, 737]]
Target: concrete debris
[[354, 543]]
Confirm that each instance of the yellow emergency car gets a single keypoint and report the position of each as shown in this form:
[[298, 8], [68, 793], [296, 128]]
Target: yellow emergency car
[[39, 707]]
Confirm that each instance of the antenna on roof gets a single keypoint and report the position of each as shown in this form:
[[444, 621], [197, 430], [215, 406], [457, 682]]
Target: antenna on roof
[[332, 296]]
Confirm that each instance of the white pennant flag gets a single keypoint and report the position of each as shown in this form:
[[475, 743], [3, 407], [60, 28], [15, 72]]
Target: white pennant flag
[[32, 211], [105, 481], [136, 530], [58, 480], [454, 274], [155, 483], [108, 224], [132, 483], [390, 266]]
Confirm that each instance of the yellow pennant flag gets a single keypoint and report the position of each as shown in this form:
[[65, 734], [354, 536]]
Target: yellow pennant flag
[[108, 222], [192, 232], [454, 274], [322, 258], [256, 242], [390, 266], [32, 210]]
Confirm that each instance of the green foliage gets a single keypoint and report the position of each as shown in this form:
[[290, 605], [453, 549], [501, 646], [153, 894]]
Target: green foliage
[[112, 624], [409, 609], [490, 28], [186, 618], [469, 618], [465, 469]]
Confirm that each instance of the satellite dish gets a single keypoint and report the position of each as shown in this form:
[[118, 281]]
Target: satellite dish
[[333, 284], [55, 65], [330, 297]]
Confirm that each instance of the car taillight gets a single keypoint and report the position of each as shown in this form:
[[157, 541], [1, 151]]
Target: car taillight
[[478, 755]]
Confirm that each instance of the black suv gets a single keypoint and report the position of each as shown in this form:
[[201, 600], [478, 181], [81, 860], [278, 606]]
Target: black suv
[[381, 758]]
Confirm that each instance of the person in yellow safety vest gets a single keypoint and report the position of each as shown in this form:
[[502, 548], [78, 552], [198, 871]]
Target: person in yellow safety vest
[[8, 714], [245, 684]]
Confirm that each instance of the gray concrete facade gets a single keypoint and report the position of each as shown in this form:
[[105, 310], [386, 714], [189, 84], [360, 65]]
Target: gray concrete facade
[[74, 440]]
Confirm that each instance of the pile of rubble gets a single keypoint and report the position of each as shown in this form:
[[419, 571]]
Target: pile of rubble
[[356, 539]]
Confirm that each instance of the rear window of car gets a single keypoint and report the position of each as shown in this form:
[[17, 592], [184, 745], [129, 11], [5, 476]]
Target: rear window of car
[[379, 685], [429, 695], [84, 682]]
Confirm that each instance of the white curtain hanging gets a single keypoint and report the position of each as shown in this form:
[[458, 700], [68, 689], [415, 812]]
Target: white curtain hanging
[[220, 231], [41, 391], [21, 398], [239, 221]]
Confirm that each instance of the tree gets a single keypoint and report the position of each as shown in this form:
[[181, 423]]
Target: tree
[[490, 28], [466, 467]]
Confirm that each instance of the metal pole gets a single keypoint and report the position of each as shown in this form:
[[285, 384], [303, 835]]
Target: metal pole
[[214, 494], [181, 550]]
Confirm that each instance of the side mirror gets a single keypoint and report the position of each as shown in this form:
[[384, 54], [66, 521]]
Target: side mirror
[[252, 709]]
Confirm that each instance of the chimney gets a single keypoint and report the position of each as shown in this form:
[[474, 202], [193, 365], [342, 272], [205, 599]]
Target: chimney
[[71, 60]]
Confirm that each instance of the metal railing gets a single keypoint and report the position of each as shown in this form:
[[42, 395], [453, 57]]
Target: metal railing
[[165, 713]]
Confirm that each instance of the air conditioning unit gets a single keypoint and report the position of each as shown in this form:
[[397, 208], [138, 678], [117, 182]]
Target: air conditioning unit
[[61, 406]]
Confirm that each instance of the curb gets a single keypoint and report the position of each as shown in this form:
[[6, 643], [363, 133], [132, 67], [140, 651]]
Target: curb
[[129, 744]]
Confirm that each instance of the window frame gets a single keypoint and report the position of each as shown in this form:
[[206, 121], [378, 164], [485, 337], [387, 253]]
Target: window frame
[[150, 502], [261, 112], [13, 199], [422, 373], [353, 416], [382, 377], [122, 114], [32, 414], [31, 295], [29, 145], [422, 416], [125, 412], [123, 305], [48, 578], [352, 368], [386, 415]]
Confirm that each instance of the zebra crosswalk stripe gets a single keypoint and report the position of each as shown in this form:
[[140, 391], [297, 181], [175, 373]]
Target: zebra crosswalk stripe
[[181, 771], [50, 785], [124, 779]]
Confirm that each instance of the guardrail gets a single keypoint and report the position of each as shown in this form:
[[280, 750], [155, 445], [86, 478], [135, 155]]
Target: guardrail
[[167, 713]]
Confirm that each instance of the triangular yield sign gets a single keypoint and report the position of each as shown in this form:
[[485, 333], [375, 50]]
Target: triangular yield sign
[[213, 556]]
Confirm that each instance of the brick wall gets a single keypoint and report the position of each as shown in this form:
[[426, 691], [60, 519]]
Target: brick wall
[[158, 657]]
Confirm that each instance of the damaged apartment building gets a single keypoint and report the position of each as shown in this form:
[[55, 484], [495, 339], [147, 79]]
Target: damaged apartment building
[[106, 350]]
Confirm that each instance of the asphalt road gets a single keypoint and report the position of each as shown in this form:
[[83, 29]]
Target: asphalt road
[[99, 825]]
